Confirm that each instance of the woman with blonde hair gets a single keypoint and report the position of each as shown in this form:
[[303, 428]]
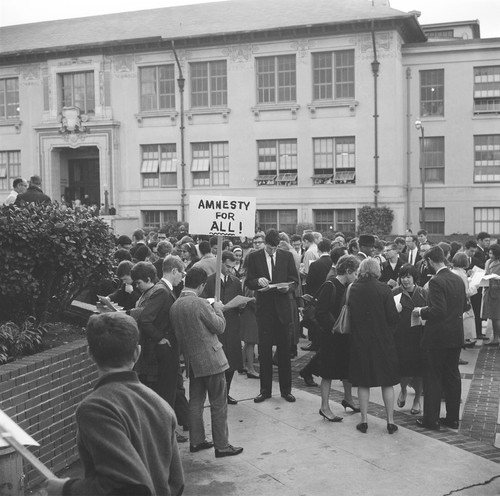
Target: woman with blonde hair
[[373, 357]]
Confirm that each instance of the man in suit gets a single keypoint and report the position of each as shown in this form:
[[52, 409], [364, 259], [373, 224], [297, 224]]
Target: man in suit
[[366, 246], [412, 249], [424, 273], [34, 193], [479, 259], [231, 339], [159, 364], [197, 326], [273, 312], [442, 341]]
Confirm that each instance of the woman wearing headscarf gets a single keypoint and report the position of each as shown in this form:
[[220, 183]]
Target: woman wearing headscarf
[[373, 357]]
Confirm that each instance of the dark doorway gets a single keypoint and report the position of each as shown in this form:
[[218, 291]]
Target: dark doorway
[[83, 180]]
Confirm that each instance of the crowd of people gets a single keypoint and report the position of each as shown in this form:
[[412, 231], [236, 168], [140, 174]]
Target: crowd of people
[[411, 308]]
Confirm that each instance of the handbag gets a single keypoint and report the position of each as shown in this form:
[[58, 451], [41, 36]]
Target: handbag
[[311, 305], [343, 323]]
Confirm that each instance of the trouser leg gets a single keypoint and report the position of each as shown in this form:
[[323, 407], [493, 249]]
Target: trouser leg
[[283, 355], [217, 396], [452, 383], [197, 396], [432, 386], [266, 363]]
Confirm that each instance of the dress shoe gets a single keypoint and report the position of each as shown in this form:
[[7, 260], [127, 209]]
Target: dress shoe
[[469, 344], [308, 379], [347, 405], [252, 376], [421, 423], [452, 424], [261, 397], [231, 400], [362, 427], [330, 419], [229, 451], [288, 397], [309, 347], [462, 362], [202, 446], [181, 438], [392, 428]]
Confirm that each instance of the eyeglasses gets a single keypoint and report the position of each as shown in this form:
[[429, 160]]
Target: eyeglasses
[[258, 242]]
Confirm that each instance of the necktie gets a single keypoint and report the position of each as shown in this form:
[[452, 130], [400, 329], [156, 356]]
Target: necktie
[[272, 266], [225, 280], [411, 258]]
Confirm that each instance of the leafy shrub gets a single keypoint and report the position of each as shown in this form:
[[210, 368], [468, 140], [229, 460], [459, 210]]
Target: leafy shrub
[[48, 256], [375, 220], [20, 339], [171, 228]]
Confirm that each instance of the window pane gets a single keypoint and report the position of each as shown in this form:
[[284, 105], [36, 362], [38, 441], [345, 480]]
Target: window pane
[[77, 89], [266, 83], [487, 220], [286, 78], [267, 219], [199, 84], [322, 76], [220, 164], [218, 83], [434, 220], [434, 159], [166, 77], [432, 92], [148, 88], [487, 158], [267, 156], [287, 221], [9, 98], [487, 89], [323, 220], [344, 74]]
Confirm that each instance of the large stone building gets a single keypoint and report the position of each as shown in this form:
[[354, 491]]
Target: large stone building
[[309, 106]]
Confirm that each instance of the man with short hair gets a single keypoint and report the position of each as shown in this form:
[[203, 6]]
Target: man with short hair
[[401, 244], [137, 241], [442, 341], [424, 273], [392, 266], [34, 193], [479, 259], [412, 250], [258, 241], [163, 249], [207, 262], [273, 312], [160, 360], [197, 326], [19, 187], [126, 432], [422, 237], [296, 242]]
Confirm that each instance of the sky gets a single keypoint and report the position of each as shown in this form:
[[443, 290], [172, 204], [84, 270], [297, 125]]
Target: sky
[[433, 11]]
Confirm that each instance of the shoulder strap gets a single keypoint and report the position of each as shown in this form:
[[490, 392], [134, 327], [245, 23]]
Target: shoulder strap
[[318, 292]]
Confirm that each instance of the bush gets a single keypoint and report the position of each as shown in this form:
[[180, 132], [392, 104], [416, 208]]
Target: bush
[[48, 256], [19, 340], [375, 220]]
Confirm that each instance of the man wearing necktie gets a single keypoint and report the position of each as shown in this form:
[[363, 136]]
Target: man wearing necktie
[[230, 339], [273, 312]]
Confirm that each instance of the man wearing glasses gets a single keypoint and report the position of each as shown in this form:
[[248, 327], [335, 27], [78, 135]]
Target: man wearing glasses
[[258, 242], [159, 361]]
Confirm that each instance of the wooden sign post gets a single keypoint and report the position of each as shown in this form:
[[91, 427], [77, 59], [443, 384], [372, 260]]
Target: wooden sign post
[[221, 216]]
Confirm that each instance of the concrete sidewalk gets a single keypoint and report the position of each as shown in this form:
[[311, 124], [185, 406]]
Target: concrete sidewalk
[[290, 450]]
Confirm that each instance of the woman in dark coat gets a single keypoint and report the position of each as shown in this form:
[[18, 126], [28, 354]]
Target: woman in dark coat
[[373, 359], [334, 348], [408, 338]]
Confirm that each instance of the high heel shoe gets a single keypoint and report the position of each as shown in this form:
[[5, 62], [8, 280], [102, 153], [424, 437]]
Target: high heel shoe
[[362, 427], [252, 376], [392, 428], [333, 419], [347, 405]]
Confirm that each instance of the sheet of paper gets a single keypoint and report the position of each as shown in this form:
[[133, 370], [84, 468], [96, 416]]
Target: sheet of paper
[[7, 425], [397, 298], [477, 275], [416, 320], [237, 301]]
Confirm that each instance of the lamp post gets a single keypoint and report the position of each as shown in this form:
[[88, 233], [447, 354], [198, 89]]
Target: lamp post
[[419, 127]]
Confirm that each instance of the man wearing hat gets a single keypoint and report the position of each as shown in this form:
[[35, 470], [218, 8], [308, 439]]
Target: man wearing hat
[[366, 246]]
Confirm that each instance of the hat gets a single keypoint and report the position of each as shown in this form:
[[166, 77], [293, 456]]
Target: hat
[[124, 240], [366, 240]]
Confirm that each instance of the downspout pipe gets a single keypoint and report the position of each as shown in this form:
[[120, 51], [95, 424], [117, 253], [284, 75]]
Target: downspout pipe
[[181, 83], [375, 70], [408, 148]]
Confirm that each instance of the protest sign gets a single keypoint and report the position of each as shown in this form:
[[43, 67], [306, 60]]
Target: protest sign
[[222, 215]]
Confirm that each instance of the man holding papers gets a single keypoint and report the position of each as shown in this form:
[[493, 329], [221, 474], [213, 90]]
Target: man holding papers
[[272, 274]]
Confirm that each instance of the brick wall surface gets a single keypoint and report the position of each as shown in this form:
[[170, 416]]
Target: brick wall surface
[[41, 393]]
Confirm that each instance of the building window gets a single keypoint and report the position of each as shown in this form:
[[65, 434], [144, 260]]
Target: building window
[[432, 92], [333, 75], [281, 220], [157, 218], [487, 158], [10, 168], [487, 89], [157, 86], [9, 98], [277, 162], [343, 220], [487, 220], [210, 165], [334, 160], [434, 160], [209, 84], [440, 33], [77, 90], [159, 166], [276, 79], [434, 220]]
